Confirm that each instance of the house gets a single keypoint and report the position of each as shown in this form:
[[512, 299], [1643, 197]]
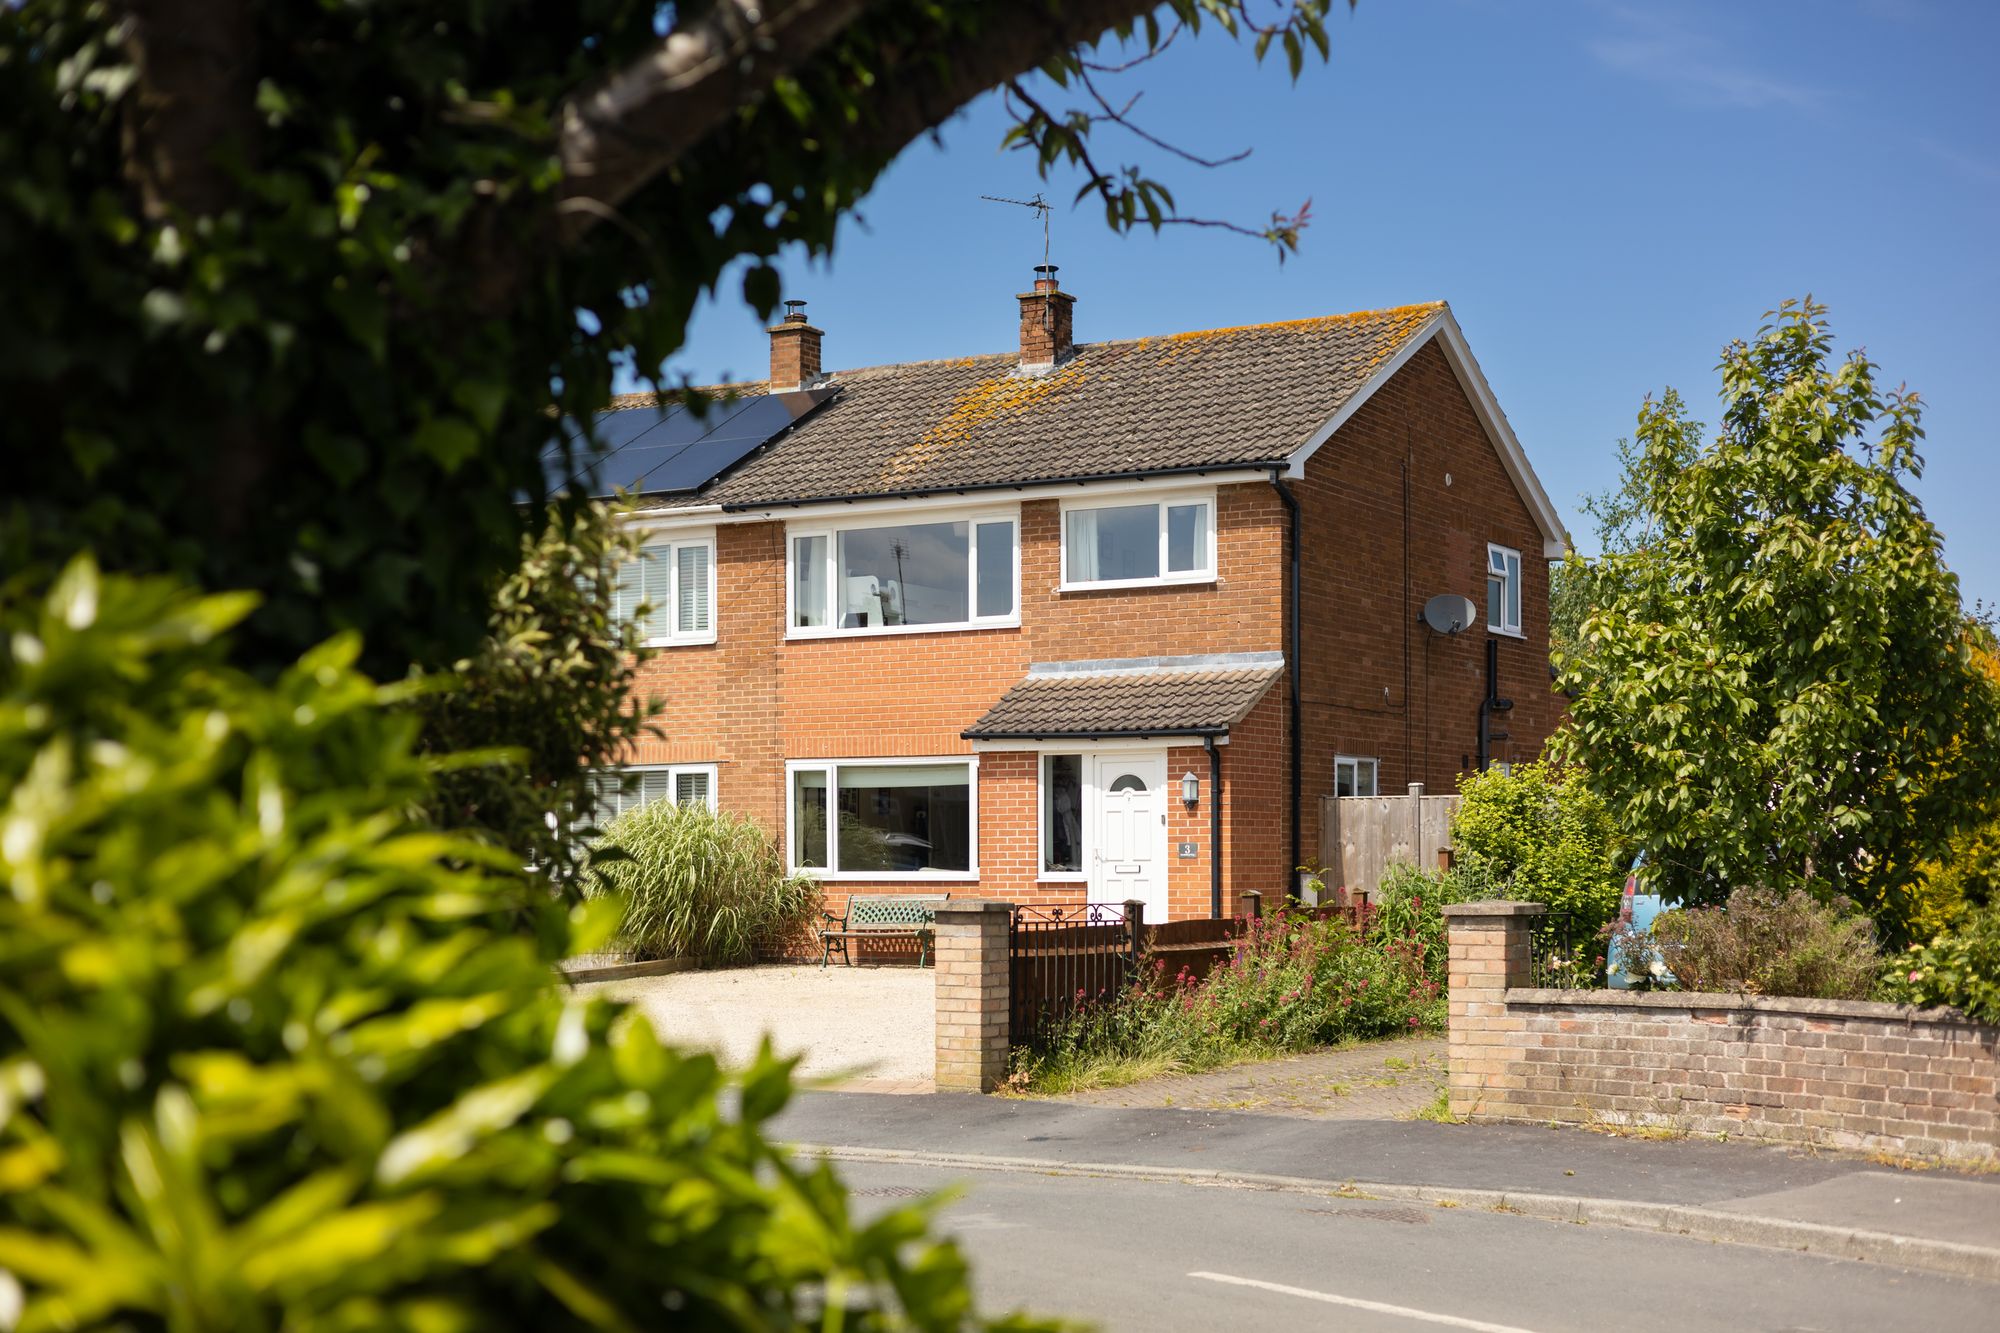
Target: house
[[1087, 620]]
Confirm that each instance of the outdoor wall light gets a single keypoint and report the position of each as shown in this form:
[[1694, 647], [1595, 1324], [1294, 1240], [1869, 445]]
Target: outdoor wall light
[[1190, 790]]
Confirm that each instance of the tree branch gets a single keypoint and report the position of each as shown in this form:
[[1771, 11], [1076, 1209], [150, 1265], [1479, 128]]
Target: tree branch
[[639, 122]]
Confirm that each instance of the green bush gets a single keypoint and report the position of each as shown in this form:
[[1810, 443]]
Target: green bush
[[697, 884], [1539, 830], [1768, 943], [548, 695], [273, 1054], [1959, 967]]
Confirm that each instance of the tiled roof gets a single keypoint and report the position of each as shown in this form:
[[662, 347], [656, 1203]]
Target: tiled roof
[[1162, 696], [1183, 402]]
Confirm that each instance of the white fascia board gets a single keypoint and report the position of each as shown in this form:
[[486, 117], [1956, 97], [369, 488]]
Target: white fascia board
[[1443, 326], [1086, 745], [995, 498]]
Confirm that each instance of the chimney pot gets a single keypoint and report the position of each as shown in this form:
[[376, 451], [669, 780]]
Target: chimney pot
[[795, 350]]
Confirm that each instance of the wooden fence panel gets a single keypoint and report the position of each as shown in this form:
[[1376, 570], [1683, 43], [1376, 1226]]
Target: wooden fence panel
[[1360, 836]]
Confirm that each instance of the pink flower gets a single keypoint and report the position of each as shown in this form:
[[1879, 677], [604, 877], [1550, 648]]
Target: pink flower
[[1915, 975]]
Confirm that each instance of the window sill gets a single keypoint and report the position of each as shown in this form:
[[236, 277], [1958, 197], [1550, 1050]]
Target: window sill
[[1498, 633], [1062, 877], [797, 633], [1116, 585], [686, 641], [889, 876]]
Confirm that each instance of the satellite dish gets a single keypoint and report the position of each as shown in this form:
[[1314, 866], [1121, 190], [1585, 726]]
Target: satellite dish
[[1448, 613]]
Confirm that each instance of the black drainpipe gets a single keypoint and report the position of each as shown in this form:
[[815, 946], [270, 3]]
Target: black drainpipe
[[1214, 827], [1292, 670]]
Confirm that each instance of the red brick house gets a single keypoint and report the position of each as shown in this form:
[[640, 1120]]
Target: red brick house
[[1093, 620]]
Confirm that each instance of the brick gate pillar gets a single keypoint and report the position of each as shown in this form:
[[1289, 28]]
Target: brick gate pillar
[[1489, 953], [972, 996]]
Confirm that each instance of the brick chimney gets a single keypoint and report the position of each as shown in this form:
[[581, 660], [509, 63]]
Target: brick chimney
[[1045, 322], [794, 350]]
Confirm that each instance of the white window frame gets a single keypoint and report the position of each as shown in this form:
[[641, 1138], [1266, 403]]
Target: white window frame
[[1511, 558], [831, 531], [1163, 502], [667, 616], [1081, 875], [831, 768], [674, 773], [1355, 761]]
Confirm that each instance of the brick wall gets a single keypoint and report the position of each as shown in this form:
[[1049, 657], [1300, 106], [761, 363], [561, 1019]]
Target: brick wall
[[1377, 681], [1832, 1073]]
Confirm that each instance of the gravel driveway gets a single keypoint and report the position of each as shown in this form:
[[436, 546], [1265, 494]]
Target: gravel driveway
[[874, 1027]]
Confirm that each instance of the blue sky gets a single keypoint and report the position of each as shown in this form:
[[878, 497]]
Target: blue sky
[[1605, 192]]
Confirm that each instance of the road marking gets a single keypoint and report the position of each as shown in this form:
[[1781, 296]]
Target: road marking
[[1355, 1302]]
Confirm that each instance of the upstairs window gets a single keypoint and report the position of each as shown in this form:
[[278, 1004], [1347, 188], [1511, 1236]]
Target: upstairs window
[[1354, 775], [1503, 590], [956, 573], [669, 590], [1171, 540]]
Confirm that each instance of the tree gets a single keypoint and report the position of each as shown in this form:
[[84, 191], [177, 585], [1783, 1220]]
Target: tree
[[1778, 687], [546, 699], [291, 289]]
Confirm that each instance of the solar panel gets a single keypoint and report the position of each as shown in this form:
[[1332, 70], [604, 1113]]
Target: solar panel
[[650, 452]]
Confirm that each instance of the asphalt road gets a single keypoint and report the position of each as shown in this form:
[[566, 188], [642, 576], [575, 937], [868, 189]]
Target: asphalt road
[[1129, 1254]]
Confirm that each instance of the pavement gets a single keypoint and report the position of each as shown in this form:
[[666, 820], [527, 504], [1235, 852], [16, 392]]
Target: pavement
[[869, 1028], [1377, 1080], [1820, 1203]]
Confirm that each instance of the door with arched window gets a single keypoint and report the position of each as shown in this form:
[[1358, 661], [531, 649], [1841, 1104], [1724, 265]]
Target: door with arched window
[[1130, 856]]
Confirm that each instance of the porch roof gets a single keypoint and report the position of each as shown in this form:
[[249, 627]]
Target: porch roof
[[1133, 697]]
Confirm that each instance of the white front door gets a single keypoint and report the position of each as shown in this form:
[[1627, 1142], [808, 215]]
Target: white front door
[[1130, 856]]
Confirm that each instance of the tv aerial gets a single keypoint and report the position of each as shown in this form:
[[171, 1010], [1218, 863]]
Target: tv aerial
[[1040, 206]]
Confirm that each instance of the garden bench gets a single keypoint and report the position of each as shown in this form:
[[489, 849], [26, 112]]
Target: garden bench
[[900, 916]]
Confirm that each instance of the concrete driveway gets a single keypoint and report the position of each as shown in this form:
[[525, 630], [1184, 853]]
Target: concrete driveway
[[870, 1028]]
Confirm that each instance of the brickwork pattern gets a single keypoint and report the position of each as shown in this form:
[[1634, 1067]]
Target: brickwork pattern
[[1831, 1073], [1377, 682], [971, 980]]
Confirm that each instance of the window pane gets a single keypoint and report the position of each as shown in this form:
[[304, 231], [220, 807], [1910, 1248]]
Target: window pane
[[916, 574], [904, 817], [1187, 538], [1062, 812], [655, 570], [691, 611], [1513, 592], [691, 788], [1364, 778], [809, 818], [1495, 603], [996, 569], [1116, 543], [809, 583], [1343, 777]]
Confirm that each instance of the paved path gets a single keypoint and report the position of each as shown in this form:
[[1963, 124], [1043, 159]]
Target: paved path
[[869, 1028], [1380, 1080], [1731, 1191]]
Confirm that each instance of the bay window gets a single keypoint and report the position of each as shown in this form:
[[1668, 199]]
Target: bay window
[[1170, 540], [882, 818], [948, 573]]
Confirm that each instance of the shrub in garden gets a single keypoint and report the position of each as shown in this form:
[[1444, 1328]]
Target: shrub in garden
[[1766, 942], [275, 1054], [1542, 832], [1959, 967], [698, 884]]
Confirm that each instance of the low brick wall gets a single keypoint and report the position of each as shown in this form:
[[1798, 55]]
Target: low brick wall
[[1834, 1073]]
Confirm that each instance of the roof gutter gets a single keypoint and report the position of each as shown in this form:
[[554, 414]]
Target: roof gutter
[[1292, 667], [1088, 479]]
